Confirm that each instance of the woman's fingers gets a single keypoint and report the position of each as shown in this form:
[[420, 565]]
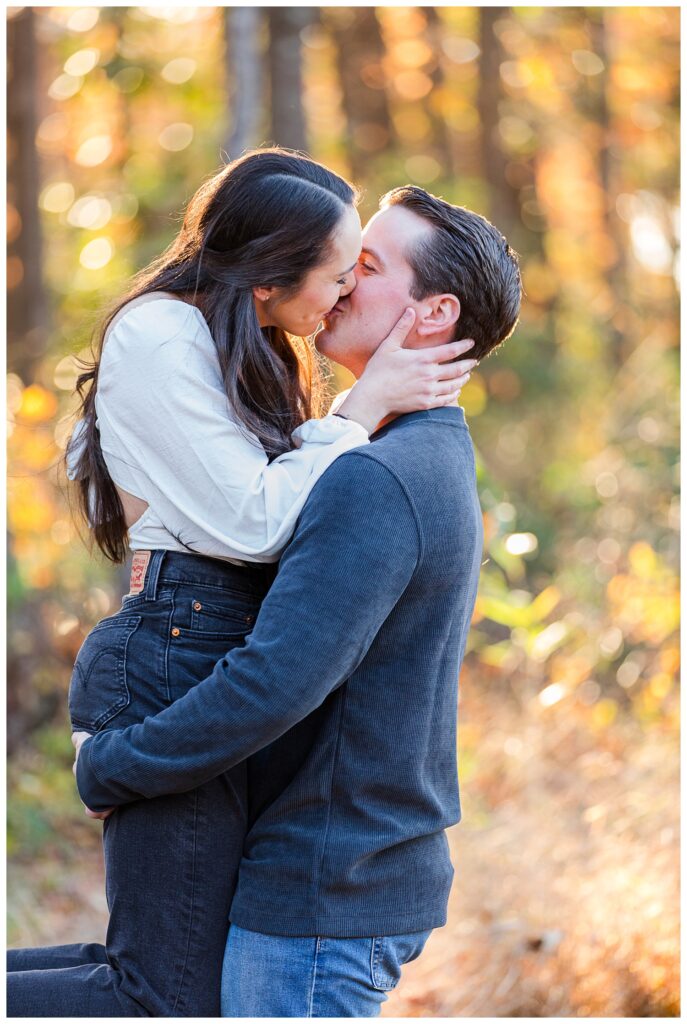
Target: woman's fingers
[[452, 387], [448, 352], [453, 371], [399, 332], [443, 400], [98, 814], [452, 399]]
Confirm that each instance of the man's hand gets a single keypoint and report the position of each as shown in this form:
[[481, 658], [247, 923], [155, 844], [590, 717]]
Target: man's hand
[[78, 739]]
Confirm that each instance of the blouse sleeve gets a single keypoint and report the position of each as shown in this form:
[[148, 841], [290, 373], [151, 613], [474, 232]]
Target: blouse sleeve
[[163, 412]]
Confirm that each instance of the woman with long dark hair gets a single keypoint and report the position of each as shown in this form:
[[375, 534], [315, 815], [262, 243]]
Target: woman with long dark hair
[[201, 435]]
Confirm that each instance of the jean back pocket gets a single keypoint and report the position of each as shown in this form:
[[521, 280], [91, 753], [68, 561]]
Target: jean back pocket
[[98, 689], [390, 953]]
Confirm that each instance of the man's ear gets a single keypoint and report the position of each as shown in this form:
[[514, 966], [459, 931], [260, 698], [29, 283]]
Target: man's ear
[[263, 292], [443, 311]]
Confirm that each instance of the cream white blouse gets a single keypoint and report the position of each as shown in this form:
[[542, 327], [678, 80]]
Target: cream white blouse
[[168, 437]]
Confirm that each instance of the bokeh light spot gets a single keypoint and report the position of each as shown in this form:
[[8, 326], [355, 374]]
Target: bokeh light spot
[[423, 168], [128, 79], [176, 137], [64, 87], [96, 254], [459, 49], [81, 62], [606, 485], [52, 131], [412, 85], [57, 198], [412, 53], [650, 246], [13, 223], [91, 212], [66, 372], [179, 70], [516, 74], [586, 62], [649, 429], [521, 543], [550, 695], [37, 404], [94, 151], [83, 19]]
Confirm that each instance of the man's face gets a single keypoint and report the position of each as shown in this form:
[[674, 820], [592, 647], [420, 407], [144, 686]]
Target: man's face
[[361, 320]]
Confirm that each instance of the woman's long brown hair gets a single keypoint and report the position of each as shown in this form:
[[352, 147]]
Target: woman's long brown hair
[[265, 219]]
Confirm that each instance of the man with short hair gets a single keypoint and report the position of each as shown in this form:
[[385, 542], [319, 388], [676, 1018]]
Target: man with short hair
[[344, 698]]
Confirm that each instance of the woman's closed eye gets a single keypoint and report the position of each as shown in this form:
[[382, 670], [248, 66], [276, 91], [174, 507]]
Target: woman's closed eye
[[367, 266]]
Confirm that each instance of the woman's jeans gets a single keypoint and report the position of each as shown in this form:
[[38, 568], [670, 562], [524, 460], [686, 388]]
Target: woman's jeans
[[281, 976], [171, 863]]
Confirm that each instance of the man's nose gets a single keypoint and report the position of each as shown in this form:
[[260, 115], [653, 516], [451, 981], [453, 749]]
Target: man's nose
[[351, 282]]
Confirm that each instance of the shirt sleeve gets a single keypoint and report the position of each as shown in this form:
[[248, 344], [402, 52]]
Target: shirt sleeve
[[354, 552], [163, 414], [339, 400]]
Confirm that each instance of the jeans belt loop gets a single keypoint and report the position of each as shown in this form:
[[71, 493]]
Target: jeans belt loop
[[153, 574]]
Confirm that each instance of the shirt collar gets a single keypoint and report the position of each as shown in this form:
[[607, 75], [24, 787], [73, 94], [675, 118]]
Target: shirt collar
[[452, 415]]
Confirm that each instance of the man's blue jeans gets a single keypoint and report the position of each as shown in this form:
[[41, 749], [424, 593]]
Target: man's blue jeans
[[282, 976]]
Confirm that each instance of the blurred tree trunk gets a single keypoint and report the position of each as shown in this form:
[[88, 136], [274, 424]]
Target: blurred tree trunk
[[504, 208], [441, 139], [596, 92], [287, 126], [245, 74], [27, 308], [360, 56], [147, 220]]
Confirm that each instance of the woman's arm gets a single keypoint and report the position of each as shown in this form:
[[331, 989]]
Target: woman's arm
[[165, 422]]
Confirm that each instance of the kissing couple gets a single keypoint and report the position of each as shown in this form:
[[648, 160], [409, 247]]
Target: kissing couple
[[267, 725]]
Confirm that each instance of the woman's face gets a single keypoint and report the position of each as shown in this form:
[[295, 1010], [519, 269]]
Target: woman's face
[[322, 286]]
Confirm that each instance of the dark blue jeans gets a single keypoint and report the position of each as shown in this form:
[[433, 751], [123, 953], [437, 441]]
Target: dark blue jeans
[[171, 863]]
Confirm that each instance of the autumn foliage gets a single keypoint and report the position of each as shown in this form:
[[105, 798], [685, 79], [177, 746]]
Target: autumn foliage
[[560, 124]]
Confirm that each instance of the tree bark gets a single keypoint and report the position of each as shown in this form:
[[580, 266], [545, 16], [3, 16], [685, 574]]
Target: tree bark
[[27, 308], [360, 57], [441, 138], [245, 72], [287, 125], [504, 208], [598, 101]]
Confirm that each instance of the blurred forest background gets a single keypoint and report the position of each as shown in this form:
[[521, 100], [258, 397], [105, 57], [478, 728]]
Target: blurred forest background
[[561, 125]]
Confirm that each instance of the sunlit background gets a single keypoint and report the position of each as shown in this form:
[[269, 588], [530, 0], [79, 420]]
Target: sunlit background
[[561, 125]]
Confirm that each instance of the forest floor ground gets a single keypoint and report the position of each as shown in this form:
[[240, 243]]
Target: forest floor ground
[[565, 900]]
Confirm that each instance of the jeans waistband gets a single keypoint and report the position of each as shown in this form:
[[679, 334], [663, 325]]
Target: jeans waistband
[[150, 568]]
